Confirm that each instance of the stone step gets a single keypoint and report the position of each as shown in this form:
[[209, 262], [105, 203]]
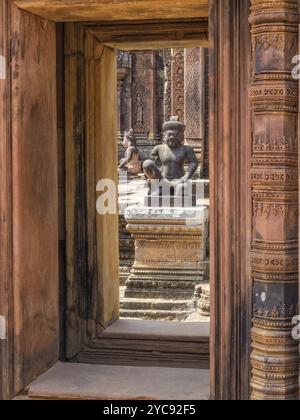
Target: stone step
[[159, 294], [75, 381], [167, 315], [150, 343], [170, 283], [158, 304]]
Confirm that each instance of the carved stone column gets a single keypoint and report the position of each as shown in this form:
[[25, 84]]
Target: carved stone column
[[194, 68], [177, 83], [274, 180]]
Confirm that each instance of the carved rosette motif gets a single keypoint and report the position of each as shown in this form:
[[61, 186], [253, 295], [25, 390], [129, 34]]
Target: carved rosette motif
[[274, 178], [177, 83]]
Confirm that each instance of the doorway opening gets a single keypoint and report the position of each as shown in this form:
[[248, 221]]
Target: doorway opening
[[98, 328], [161, 275]]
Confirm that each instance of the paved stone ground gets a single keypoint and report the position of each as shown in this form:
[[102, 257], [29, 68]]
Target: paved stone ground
[[77, 381]]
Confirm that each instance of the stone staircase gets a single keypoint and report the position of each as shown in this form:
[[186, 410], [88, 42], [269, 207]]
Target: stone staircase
[[162, 298], [158, 309]]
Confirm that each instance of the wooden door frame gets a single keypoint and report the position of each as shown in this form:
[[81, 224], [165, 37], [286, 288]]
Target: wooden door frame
[[231, 281]]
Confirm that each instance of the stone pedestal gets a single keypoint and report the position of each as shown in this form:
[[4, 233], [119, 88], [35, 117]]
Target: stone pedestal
[[170, 254]]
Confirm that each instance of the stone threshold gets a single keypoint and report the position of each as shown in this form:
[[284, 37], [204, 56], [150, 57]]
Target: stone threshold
[[75, 381], [165, 344]]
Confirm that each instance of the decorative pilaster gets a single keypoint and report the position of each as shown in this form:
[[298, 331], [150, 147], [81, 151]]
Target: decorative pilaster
[[274, 181], [194, 68], [144, 93], [177, 83]]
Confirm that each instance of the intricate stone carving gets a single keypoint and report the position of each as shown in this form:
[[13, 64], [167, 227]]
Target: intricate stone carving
[[169, 262], [139, 113], [177, 83], [282, 144], [194, 91], [274, 180], [281, 312], [144, 93]]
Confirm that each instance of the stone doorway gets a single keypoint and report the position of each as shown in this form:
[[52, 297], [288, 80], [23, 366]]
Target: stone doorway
[[231, 284], [94, 158]]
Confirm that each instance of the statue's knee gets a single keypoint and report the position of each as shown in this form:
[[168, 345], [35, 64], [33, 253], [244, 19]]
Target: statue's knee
[[148, 165]]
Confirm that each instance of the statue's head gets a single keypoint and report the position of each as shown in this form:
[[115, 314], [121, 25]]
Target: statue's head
[[174, 132], [129, 139]]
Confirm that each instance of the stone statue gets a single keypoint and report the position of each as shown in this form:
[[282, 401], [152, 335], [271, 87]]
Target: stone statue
[[132, 160], [168, 160]]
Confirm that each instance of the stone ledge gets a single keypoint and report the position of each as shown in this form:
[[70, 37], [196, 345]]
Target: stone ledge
[[194, 215]]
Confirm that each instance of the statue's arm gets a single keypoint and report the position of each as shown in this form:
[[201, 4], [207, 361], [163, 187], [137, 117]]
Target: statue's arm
[[192, 163], [127, 159], [155, 155]]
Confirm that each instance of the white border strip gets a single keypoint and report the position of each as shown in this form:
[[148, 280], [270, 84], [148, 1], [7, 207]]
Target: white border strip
[[2, 328], [2, 68]]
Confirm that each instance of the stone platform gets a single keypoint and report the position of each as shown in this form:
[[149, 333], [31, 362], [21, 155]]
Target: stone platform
[[170, 261]]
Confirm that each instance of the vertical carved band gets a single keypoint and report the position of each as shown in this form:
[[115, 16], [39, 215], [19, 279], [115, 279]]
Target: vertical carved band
[[168, 85], [194, 68], [177, 83], [194, 92], [274, 180]]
